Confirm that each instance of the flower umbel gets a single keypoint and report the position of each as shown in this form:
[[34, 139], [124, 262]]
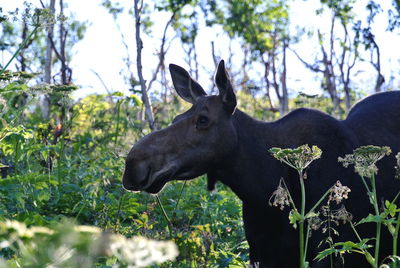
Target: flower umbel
[[364, 159], [298, 158], [338, 192], [280, 196]]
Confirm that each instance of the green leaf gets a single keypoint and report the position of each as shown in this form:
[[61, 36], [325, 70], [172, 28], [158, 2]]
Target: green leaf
[[43, 196], [2, 165], [136, 100], [294, 217], [311, 215], [346, 247], [391, 208], [117, 94], [371, 218]]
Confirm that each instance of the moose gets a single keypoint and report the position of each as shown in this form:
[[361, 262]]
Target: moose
[[217, 139]]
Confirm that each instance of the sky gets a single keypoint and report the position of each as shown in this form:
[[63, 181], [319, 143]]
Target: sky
[[102, 51]]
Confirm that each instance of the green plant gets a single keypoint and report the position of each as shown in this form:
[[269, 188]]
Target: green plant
[[364, 160], [299, 159]]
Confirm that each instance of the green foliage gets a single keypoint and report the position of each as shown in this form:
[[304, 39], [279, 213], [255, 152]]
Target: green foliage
[[24, 35], [299, 159], [364, 160], [258, 22], [344, 247], [72, 168]]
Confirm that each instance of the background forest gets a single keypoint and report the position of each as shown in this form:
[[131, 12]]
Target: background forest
[[63, 139]]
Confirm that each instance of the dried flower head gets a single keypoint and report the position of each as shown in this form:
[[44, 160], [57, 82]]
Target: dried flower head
[[342, 215], [398, 166], [364, 159], [338, 192], [280, 197], [315, 222], [298, 158]]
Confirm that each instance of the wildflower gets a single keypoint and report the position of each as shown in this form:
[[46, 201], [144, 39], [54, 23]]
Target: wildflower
[[142, 252], [364, 159], [299, 158], [280, 196], [338, 193]]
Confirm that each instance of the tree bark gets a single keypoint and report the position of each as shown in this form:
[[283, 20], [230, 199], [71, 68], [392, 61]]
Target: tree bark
[[62, 47], [22, 59], [49, 49], [380, 79], [139, 46], [346, 64], [48, 62], [284, 104]]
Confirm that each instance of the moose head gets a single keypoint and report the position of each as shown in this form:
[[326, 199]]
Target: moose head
[[194, 144]]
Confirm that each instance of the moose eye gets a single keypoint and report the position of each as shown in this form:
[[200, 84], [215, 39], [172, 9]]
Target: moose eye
[[202, 122]]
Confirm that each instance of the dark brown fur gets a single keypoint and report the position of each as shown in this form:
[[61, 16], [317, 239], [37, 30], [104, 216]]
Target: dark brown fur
[[215, 138]]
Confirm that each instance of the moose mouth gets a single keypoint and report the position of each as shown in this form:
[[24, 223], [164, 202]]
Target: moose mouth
[[154, 181], [157, 184]]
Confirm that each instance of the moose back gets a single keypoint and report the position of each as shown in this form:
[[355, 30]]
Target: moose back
[[215, 138]]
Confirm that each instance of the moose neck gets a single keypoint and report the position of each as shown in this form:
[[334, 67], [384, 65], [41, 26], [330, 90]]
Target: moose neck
[[251, 172]]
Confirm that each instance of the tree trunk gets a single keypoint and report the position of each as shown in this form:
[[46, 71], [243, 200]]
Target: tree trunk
[[48, 62], [21, 55], [380, 80], [64, 70], [284, 104], [267, 83], [139, 45]]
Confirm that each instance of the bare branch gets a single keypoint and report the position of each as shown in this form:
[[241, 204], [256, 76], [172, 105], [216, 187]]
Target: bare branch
[[163, 51], [101, 81], [313, 68], [139, 47]]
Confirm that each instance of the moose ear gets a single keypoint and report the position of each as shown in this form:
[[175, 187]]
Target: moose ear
[[225, 88], [187, 88]]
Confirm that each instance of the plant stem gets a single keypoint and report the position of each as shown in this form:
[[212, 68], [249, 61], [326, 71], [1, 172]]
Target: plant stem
[[377, 243], [165, 215], [119, 210], [355, 231], [301, 229], [319, 201], [330, 235], [363, 251], [117, 127], [395, 236], [20, 48], [16, 157], [378, 224], [365, 184], [180, 195], [306, 243]]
